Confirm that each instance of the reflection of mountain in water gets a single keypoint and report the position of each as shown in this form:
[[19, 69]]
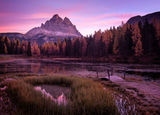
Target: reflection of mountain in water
[[56, 93]]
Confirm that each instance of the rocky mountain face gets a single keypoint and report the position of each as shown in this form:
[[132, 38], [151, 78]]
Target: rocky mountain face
[[52, 29], [148, 17]]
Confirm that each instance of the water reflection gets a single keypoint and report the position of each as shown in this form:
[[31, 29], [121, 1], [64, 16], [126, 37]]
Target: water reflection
[[87, 69], [124, 105], [60, 99]]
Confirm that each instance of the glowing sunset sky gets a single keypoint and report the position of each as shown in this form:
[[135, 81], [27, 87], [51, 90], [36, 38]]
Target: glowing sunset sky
[[87, 15]]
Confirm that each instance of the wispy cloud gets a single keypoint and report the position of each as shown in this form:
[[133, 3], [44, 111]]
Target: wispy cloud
[[87, 15], [11, 21], [89, 24]]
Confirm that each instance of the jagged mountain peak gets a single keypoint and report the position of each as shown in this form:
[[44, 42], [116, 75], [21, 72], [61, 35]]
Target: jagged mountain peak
[[56, 19], [67, 21], [54, 28], [55, 16]]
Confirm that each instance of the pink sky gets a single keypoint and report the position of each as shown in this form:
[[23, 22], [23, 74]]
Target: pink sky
[[87, 15]]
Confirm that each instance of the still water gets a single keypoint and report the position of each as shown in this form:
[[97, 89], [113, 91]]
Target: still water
[[46, 66]]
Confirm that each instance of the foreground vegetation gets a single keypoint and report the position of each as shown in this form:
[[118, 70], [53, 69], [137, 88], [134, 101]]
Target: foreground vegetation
[[87, 97]]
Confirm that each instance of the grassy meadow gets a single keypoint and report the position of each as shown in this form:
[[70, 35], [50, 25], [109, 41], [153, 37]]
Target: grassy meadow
[[87, 96]]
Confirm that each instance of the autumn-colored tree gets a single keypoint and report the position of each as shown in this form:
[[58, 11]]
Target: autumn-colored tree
[[35, 49], [136, 34], [138, 48], [136, 38], [156, 24], [116, 46], [1, 45], [57, 49], [5, 49], [126, 40], [24, 48], [97, 36], [8, 44], [13, 46], [116, 42], [107, 39]]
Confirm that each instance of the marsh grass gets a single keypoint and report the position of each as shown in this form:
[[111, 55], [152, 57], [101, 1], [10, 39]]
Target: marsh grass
[[87, 97]]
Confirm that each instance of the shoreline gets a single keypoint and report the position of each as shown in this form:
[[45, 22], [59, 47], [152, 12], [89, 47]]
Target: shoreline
[[110, 59]]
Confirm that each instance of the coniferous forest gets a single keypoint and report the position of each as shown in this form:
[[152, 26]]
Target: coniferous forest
[[126, 41]]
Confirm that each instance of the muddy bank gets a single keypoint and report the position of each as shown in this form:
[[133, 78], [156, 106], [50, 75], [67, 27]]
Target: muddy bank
[[6, 106], [145, 97]]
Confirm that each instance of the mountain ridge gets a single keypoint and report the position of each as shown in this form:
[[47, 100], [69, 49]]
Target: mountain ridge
[[149, 17]]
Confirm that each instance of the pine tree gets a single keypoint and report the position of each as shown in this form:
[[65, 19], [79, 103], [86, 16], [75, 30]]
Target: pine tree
[[91, 47], [68, 47], [149, 41], [29, 53], [59, 46], [18, 47], [84, 46], [128, 43], [64, 48], [2, 45]]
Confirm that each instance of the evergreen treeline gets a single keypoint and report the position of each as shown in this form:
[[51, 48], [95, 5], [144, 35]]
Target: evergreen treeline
[[126, 40]]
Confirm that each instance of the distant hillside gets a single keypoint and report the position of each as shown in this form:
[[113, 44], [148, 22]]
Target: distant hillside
[[148, 17], [13, 35]]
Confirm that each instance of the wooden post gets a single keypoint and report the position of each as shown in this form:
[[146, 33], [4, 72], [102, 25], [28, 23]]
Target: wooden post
[[108, 73], [124, 74], [97, 73], [111, 71]]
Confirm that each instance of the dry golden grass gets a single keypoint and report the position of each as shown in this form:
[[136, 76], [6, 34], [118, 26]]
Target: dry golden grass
[[87, 97]]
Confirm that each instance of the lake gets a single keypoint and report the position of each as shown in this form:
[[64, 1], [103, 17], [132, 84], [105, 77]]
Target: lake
[[48, 66]]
